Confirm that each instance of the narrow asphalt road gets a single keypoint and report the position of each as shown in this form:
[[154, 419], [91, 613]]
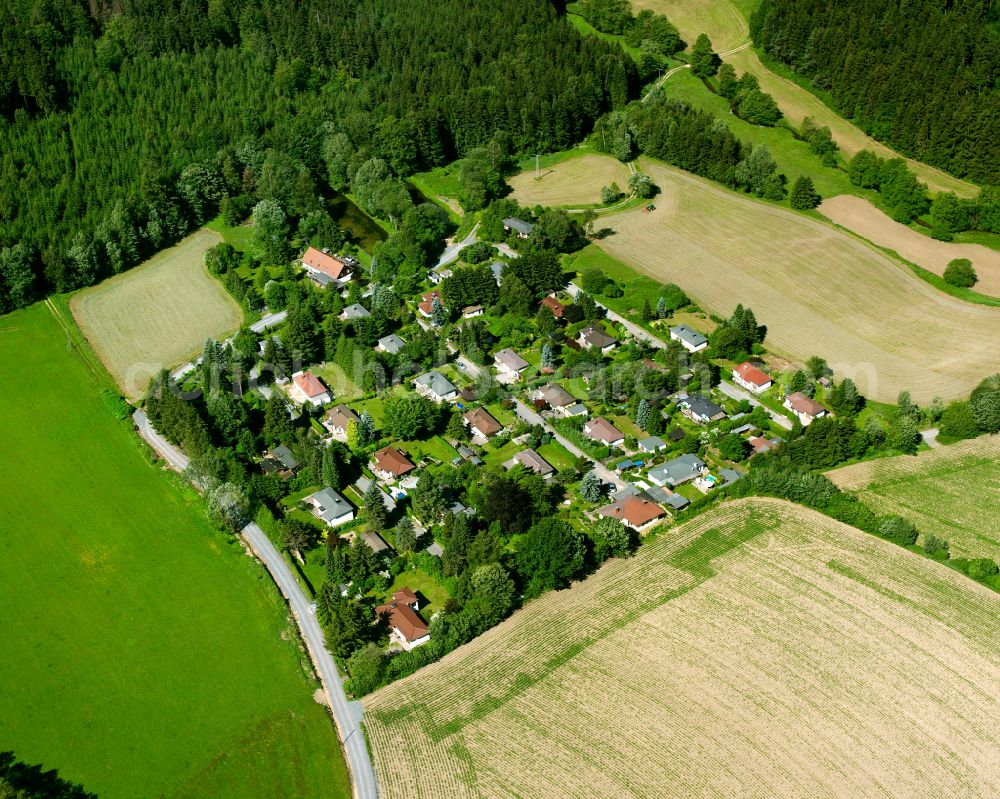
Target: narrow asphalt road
[[347, 714], [735, 392], [171, 454], [452, 251], [532, 417]]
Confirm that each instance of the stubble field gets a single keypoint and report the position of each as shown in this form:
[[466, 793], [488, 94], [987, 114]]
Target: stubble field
[[861, 217], [952, 492], [759, 650], [818, 290], [158, 314], [574, 181]]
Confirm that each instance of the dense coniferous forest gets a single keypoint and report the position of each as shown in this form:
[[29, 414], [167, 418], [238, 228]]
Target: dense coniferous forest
[[923, 76], [125, 124]]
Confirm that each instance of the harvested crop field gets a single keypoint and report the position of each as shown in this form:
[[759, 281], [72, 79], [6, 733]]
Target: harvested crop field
[[157, 314], [860, 216], [952, 492], [818, 290], [574, 181], [722, 21], [759, 650]]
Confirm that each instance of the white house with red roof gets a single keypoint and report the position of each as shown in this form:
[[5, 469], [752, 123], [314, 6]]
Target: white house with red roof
[[333, 267], [751, 378], [307, 388], [805, 408], [426, 305]]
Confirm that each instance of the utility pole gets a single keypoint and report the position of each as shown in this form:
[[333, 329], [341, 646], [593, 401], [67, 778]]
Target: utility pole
[[538, 171]]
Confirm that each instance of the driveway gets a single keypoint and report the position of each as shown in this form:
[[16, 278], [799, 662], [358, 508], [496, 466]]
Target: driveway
[[733, 391], [451, 252], [171, 454], [348, 715], [532, 417]]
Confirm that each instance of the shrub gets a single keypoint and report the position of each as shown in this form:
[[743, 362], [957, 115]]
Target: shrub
[[958, 421], [960, 273], [981, 568], [898, 530]]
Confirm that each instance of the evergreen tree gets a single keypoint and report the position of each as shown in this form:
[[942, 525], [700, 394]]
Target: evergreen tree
[[330, 471], [591, 488], [804, 195], [548, 356], [704, 61], [405, 535], [374, 508], [642, 413], [366, 428], [438, 314]]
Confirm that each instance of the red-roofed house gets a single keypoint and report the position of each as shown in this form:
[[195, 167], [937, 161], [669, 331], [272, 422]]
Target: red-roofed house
[[751, 378], [405, 596], [557, 308], [389, 463], [329, 265], [307, 388], [760, 445], [806, 408], [481, 423], [426, 304], [407, 628], [634, 512]]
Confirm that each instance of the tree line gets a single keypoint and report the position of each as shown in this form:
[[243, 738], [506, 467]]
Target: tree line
[[920, 76], [126, 126]]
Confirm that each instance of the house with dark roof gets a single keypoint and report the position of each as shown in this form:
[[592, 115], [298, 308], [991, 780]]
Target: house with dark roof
[[679, 470], [519, 226], [594, 336], [600, 429], [338, 418], [690, 339], [700, 409], [805, 408], [435, 385], [482, 424], [390, 464], [391, 344], [652, 444], [330, 507], [751, 378], [530, 459]]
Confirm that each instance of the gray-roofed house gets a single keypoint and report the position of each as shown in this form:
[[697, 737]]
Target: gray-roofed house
[[519, 226], [596, 337], [435, 385], [677, 501], [679, 470], [354, 311], [690, 339], [530, 459], [391, 344], [374, 541], [331, 507], [701, 409], [652, 444], [284, 456], [729, 476], [510, 364]]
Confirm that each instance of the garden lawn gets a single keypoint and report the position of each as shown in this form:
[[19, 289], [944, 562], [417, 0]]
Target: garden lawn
[[556, 454], [433, 595], [144, 654]]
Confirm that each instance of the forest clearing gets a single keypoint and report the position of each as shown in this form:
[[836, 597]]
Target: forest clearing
[[573, 181], [156, 315], [860, 216], [819, 290], [952, 492], [769, 649]]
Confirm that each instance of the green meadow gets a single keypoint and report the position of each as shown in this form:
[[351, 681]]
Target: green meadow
[[144, 654]]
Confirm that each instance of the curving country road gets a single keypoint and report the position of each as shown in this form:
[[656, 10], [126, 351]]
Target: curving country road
[[171, 454], [347, 714], [452, 251]]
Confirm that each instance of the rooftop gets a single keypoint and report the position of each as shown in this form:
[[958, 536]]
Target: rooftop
[[532, 460], [391, 460], [556, 395], [800, 403], [309, 384], [330, 505], [751, 374], [689, 335], [391, 343], [602, 430], [355, 311], [594, 336], [519, 225], [507, 357], [324, 262], [404, 620], [482, 420], [340, 416], [436, 382]]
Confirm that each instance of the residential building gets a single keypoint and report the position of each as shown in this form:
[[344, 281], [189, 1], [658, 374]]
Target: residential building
[[600, 429], [555, 396], [700, 409], [482, 424], [337, 268], [677, 501], [437, 275], [690, 339], [337, 420], [679, 470], [405, 596], [391, 344], [426, 305], [509, 364], [354, 311], [406, 628], [330, 507], [635, 511], [472, 311], [390, 464], [530, 459], [519, 226], [279, 460], [307, 388], [374, 542], [751, 378], [652, 444], [761, 445], [805, 408], [594, 336], [435, 385], [557, 308]]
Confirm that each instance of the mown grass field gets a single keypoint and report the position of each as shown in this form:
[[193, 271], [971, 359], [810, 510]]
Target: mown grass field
[[158, 314], [725, 23], [573, 182], [760, 650], [142, 654], [861, 217], [952, 492], [820, 291]]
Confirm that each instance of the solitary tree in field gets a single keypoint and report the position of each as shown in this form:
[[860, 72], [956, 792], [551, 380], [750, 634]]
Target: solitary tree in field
[[610, 193], [804, 195], [960, 273], [641, 185], [704, 61]]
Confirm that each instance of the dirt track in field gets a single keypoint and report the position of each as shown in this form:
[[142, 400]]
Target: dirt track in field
[[819, 290], [761, 650], [860, 216]]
